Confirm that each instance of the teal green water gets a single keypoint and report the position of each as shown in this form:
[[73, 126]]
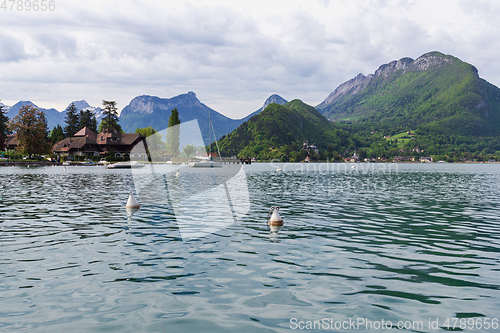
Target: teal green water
[[403, 242]]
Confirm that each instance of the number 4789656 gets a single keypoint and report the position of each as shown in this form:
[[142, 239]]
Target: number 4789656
[[28, 5], [471, 323]]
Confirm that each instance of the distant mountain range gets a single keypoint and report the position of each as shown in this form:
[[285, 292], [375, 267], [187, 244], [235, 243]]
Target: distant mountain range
[[53, 116], [436, 93], [144, 111]]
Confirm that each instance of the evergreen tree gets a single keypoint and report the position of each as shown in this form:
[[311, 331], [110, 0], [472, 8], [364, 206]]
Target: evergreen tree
[[71, 121], [93, 124], [56, 135], [173, 133], [3, 123], [87, 119], [110, 119]]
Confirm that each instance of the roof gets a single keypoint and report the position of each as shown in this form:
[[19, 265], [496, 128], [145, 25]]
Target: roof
[[74, 143], [11, 140], [118, 138], [85, 132]]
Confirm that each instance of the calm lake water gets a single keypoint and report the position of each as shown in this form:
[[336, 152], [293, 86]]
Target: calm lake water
[[406, 242]]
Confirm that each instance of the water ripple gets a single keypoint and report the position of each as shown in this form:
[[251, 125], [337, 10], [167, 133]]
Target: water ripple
[[393, 242]]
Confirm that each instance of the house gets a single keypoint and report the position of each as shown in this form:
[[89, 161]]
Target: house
[[87, 132], [353, 159], [121, 143], [307, 159], [417, 149], [11, 142], [426, 159], [403, 158], [82, 146], [87, 143], [308, 147]]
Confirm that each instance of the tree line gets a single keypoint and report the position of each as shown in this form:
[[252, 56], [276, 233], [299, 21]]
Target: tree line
[[31, 128]]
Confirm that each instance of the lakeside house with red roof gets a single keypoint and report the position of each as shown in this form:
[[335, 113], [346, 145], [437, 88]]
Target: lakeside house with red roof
[[121, 143], [87, 143]]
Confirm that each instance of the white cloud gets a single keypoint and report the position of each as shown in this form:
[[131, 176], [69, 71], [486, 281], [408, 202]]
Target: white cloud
[[233, 54]]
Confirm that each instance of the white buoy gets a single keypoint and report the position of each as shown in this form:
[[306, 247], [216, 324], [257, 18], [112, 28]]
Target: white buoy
[[278, 170], [353, 167], [275, 228], [275, 219], [177, 174], [132, 202]]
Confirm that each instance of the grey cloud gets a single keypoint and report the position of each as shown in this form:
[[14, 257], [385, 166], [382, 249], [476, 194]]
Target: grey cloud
[[11, 49]]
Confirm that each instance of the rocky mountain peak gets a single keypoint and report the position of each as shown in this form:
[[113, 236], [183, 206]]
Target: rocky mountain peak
[[274, 98], [79, 105], [431, 59]]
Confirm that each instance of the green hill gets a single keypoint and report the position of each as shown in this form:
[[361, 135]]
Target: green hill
[[279, 132], [435, 93]]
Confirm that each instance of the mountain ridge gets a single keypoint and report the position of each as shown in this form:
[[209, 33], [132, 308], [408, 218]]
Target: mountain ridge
[[147, 110], [435, 92]]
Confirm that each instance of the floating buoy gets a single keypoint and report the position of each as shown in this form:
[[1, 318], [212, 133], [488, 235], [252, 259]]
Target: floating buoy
[[275, 219], [275, 228], [64, 168], [177, 174], [278, 170], [132, 203], [353, 167]]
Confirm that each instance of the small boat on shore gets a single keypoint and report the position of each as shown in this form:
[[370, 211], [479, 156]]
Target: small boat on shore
[[125, 165], [205, 164]]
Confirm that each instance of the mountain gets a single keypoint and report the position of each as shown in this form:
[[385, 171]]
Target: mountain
[[281, 130], [435, 93], [144, 111], [83, 105], [5, 107], [277, 99], [53, 116]]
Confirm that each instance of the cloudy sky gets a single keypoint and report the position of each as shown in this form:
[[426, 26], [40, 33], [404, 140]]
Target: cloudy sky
[[232, 53]]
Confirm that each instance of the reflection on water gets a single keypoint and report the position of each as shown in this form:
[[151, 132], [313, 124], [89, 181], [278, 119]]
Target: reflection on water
[[409, 243]]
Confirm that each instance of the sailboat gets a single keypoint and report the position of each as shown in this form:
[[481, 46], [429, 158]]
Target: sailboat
[[206, 162]]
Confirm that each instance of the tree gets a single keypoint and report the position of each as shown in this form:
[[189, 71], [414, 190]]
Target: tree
[[153, 138], [30, 126], [3, 122], [87, 119], [110, 116], [56, 135], [71, 121], [189, 150], [146, 131], [173, 132]]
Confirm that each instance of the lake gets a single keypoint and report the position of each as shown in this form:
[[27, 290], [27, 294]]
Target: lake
[[409, 244]]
